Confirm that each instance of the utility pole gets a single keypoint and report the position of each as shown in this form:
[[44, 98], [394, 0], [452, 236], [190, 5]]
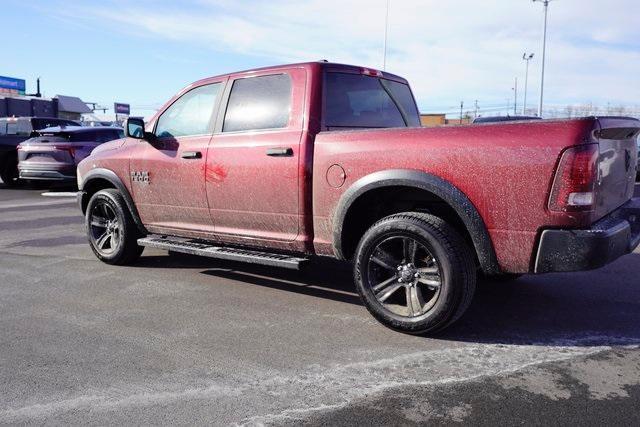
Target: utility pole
[[544, 52], [461, 107], [386, 32], [515, 97], [475, 114], [526, 58]]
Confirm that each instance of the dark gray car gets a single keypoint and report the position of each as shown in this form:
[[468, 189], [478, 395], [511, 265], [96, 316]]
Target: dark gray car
[[54, 154]]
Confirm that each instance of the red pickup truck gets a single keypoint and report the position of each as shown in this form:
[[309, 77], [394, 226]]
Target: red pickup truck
[[280, 164]]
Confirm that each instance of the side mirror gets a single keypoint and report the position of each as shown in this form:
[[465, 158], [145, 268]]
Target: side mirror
[[135, 128]]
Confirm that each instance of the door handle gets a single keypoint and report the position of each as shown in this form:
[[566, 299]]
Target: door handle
[[191, 155], [280, 152]]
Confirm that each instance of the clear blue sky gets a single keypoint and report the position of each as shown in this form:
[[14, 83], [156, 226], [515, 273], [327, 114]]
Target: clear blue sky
[[142, 52]]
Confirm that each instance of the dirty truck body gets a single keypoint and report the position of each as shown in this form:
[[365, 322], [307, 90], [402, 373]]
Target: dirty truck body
[[280, 164]]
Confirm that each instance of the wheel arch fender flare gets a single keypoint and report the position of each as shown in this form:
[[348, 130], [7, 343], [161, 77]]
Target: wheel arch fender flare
[[114, 179], [439, 187]]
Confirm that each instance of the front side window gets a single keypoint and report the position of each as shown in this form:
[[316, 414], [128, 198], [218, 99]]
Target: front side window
[[361, 101], [259, 103], [190, 114]]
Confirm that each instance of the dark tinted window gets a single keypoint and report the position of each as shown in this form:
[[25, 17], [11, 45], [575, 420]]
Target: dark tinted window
[[259, 103], [404, 99], [98, 135], [360, 101], [190, 114]]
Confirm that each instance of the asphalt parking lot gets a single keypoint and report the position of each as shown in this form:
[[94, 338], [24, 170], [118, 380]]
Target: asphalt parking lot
[[185, 340]]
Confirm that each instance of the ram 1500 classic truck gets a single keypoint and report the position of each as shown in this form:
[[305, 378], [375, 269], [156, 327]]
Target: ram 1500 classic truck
[[280, 164]]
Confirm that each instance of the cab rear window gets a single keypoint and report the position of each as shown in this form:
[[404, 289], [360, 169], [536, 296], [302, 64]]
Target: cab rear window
[[363, 101]]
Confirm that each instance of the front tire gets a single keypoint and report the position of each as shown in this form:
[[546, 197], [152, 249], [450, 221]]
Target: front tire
[[414, 273], [113, 235]]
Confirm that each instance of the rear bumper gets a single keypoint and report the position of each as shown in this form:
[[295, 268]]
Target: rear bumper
[[615, 235], [47, 173]]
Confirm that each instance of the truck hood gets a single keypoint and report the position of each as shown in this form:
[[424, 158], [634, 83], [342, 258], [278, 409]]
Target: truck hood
[[111, 145]]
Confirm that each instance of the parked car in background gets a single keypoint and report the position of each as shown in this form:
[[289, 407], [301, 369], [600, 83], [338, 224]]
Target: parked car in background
[[14, 130], [497, 119], [638, 167], [54, 153]]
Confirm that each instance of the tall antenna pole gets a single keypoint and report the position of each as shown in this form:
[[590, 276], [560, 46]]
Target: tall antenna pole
[[526, 58], [386, 31], [544, 52]]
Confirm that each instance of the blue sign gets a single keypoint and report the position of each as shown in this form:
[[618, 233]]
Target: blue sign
[[121, 108], [12, 84]]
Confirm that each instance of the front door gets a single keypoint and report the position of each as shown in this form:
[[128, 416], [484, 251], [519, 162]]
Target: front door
[[253, 176], [167, 172]]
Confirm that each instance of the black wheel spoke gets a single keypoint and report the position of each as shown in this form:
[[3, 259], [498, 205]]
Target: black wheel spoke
[[432, 282], [382, 285], [414, 300], [102, 240], [100, 222], [383, 259], [385, 294], [409, 247]]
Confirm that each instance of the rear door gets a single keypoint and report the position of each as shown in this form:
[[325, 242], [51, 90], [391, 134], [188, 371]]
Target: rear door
[[253, 160], [167, 172]]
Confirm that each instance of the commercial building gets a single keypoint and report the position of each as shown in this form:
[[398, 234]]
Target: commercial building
[[14, 101], [431, 120]]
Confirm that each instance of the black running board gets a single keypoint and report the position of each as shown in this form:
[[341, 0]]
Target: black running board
[[197, 247]]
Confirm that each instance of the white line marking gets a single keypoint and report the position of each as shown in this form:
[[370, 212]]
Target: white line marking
[[36, 204]]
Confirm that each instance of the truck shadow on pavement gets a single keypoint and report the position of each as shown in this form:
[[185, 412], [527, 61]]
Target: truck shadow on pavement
[[599, 307]]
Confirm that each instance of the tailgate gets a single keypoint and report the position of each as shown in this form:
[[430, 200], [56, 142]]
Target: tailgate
[[46, 152], [617, 162]]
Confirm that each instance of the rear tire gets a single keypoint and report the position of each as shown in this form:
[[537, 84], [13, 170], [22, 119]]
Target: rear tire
[[9, 172], [414, 273], [113, 235]]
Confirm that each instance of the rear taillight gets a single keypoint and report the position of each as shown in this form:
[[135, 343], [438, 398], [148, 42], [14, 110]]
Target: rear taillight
[[68, 148], [574, 183]]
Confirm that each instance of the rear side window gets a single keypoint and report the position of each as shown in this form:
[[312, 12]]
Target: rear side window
[[361, 101], [259, 103], [190, 114]]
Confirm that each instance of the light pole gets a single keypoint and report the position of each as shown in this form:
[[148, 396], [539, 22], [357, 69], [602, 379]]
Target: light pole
[[544, 52], [515, 97], [386, 31], [526, 58]]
